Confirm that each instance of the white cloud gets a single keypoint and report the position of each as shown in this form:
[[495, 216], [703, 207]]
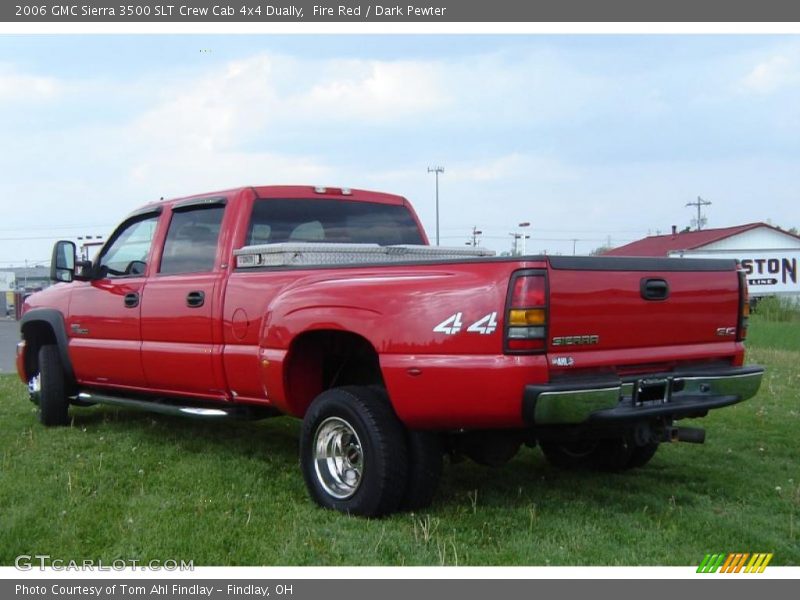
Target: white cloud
[[774, 73], [198, 133], [374, 90], [202, 171], [515, 167], [254, 97], [217, 110], [23, 87]]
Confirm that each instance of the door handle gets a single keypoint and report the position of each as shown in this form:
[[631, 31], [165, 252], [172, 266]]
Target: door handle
[[654, 289], [132, 300], [195, 299]]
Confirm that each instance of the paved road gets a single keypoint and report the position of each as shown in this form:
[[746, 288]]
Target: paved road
[[9, 336]]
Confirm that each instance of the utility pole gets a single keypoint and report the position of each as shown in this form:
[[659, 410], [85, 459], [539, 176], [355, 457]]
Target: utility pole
[[699, 203], [475, 234], [574, 243], [436, 171]]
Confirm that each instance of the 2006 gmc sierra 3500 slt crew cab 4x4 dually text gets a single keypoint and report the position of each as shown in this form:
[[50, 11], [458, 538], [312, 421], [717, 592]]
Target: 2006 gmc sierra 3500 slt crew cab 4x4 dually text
[[329, 305]]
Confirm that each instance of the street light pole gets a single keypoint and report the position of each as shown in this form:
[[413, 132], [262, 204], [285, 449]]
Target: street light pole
[[524, 237], [436, 171]]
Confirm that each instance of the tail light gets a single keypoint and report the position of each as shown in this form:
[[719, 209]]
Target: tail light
[[744, 307], [526, 313]]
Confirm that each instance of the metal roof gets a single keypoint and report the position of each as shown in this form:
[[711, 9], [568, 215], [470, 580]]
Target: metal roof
[[662, 245]]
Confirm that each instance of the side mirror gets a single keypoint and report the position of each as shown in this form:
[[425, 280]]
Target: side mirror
[[62, 265]]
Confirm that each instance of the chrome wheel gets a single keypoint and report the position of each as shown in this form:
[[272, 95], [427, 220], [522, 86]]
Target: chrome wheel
[[35, 389], [338, 458]]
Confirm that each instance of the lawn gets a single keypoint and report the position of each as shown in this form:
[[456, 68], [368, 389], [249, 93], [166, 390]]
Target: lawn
[[128, 485]]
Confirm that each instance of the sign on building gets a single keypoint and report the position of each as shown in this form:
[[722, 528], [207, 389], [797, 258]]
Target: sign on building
[[769, 272]]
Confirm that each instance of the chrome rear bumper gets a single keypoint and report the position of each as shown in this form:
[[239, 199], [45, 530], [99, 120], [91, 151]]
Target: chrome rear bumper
[[676, 395]]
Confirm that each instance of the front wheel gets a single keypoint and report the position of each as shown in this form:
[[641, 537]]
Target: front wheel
[[353, 452], [48, 388]]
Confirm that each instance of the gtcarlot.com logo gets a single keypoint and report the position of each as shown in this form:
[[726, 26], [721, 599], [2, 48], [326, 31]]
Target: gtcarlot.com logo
[[735, 562], [42, 562]]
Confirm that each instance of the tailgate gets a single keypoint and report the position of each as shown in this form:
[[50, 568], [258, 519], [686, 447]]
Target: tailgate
[[602, 304]]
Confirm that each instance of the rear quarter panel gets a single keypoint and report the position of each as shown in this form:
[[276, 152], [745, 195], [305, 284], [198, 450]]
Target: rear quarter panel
[[436, 379]]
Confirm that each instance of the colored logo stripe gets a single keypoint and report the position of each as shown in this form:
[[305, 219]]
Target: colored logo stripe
[[734, 563]]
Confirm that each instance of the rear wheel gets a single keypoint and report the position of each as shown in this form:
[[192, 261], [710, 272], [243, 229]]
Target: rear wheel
[[425, 461], [642, 455], [615, 454], [353, 452], [49, 387]]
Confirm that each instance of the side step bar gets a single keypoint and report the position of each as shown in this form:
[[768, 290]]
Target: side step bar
[[180, 410]]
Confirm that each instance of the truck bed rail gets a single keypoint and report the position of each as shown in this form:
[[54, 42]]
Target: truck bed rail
[[305, 254]]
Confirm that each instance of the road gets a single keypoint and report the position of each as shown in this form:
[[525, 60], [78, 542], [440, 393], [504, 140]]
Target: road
[[9, 336]]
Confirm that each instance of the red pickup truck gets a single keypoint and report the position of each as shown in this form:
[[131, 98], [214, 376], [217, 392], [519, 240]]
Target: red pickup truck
[[329, 305]]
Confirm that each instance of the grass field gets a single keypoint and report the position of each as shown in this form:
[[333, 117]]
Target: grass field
[[129, 485]]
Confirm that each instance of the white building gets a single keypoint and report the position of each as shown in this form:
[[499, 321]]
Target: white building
[[769, 255], [7, 285]]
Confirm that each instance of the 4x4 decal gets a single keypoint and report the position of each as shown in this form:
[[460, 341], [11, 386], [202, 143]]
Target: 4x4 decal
[[452, 325]]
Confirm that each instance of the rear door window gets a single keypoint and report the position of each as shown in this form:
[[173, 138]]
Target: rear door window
[[191, 244]]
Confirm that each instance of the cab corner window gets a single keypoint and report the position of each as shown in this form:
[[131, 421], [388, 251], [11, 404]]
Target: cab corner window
[[191, 244]]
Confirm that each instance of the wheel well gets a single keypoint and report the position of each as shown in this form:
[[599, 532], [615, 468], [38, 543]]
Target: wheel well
[[320, 360], [36, 334]]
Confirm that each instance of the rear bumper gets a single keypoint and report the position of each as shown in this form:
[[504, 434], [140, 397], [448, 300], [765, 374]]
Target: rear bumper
[[675, 395]]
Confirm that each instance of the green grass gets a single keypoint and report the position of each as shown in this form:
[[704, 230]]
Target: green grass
[[778, 335], [129, 485]]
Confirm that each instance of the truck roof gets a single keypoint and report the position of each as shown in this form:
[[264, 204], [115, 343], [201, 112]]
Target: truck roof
[[289, 192]]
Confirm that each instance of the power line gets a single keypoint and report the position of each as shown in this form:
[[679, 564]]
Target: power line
[[544, 239], [27, 239], [59, 227], [41, 262]]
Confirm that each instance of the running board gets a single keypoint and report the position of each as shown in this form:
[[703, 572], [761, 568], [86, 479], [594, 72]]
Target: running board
[[168, 409]]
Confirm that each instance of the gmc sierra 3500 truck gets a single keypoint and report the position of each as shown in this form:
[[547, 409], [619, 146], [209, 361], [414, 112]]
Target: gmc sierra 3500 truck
[[329, 305]]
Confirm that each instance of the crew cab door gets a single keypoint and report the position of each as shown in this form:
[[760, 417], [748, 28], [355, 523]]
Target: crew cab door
[[103, 319], [180, 350]]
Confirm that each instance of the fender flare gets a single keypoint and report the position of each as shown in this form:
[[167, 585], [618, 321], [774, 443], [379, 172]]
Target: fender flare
[[55, 320]]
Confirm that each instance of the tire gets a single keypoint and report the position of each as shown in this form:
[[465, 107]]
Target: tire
[[616, 454], [490, 448], [425, 461], [53, 401], [570, 455], [353, 453], [642, 454]]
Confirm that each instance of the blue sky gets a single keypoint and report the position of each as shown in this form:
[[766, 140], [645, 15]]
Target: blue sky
[[587, 137]]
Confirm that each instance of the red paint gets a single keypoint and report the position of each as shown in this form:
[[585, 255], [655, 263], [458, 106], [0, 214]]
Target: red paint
[[238, 346]]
